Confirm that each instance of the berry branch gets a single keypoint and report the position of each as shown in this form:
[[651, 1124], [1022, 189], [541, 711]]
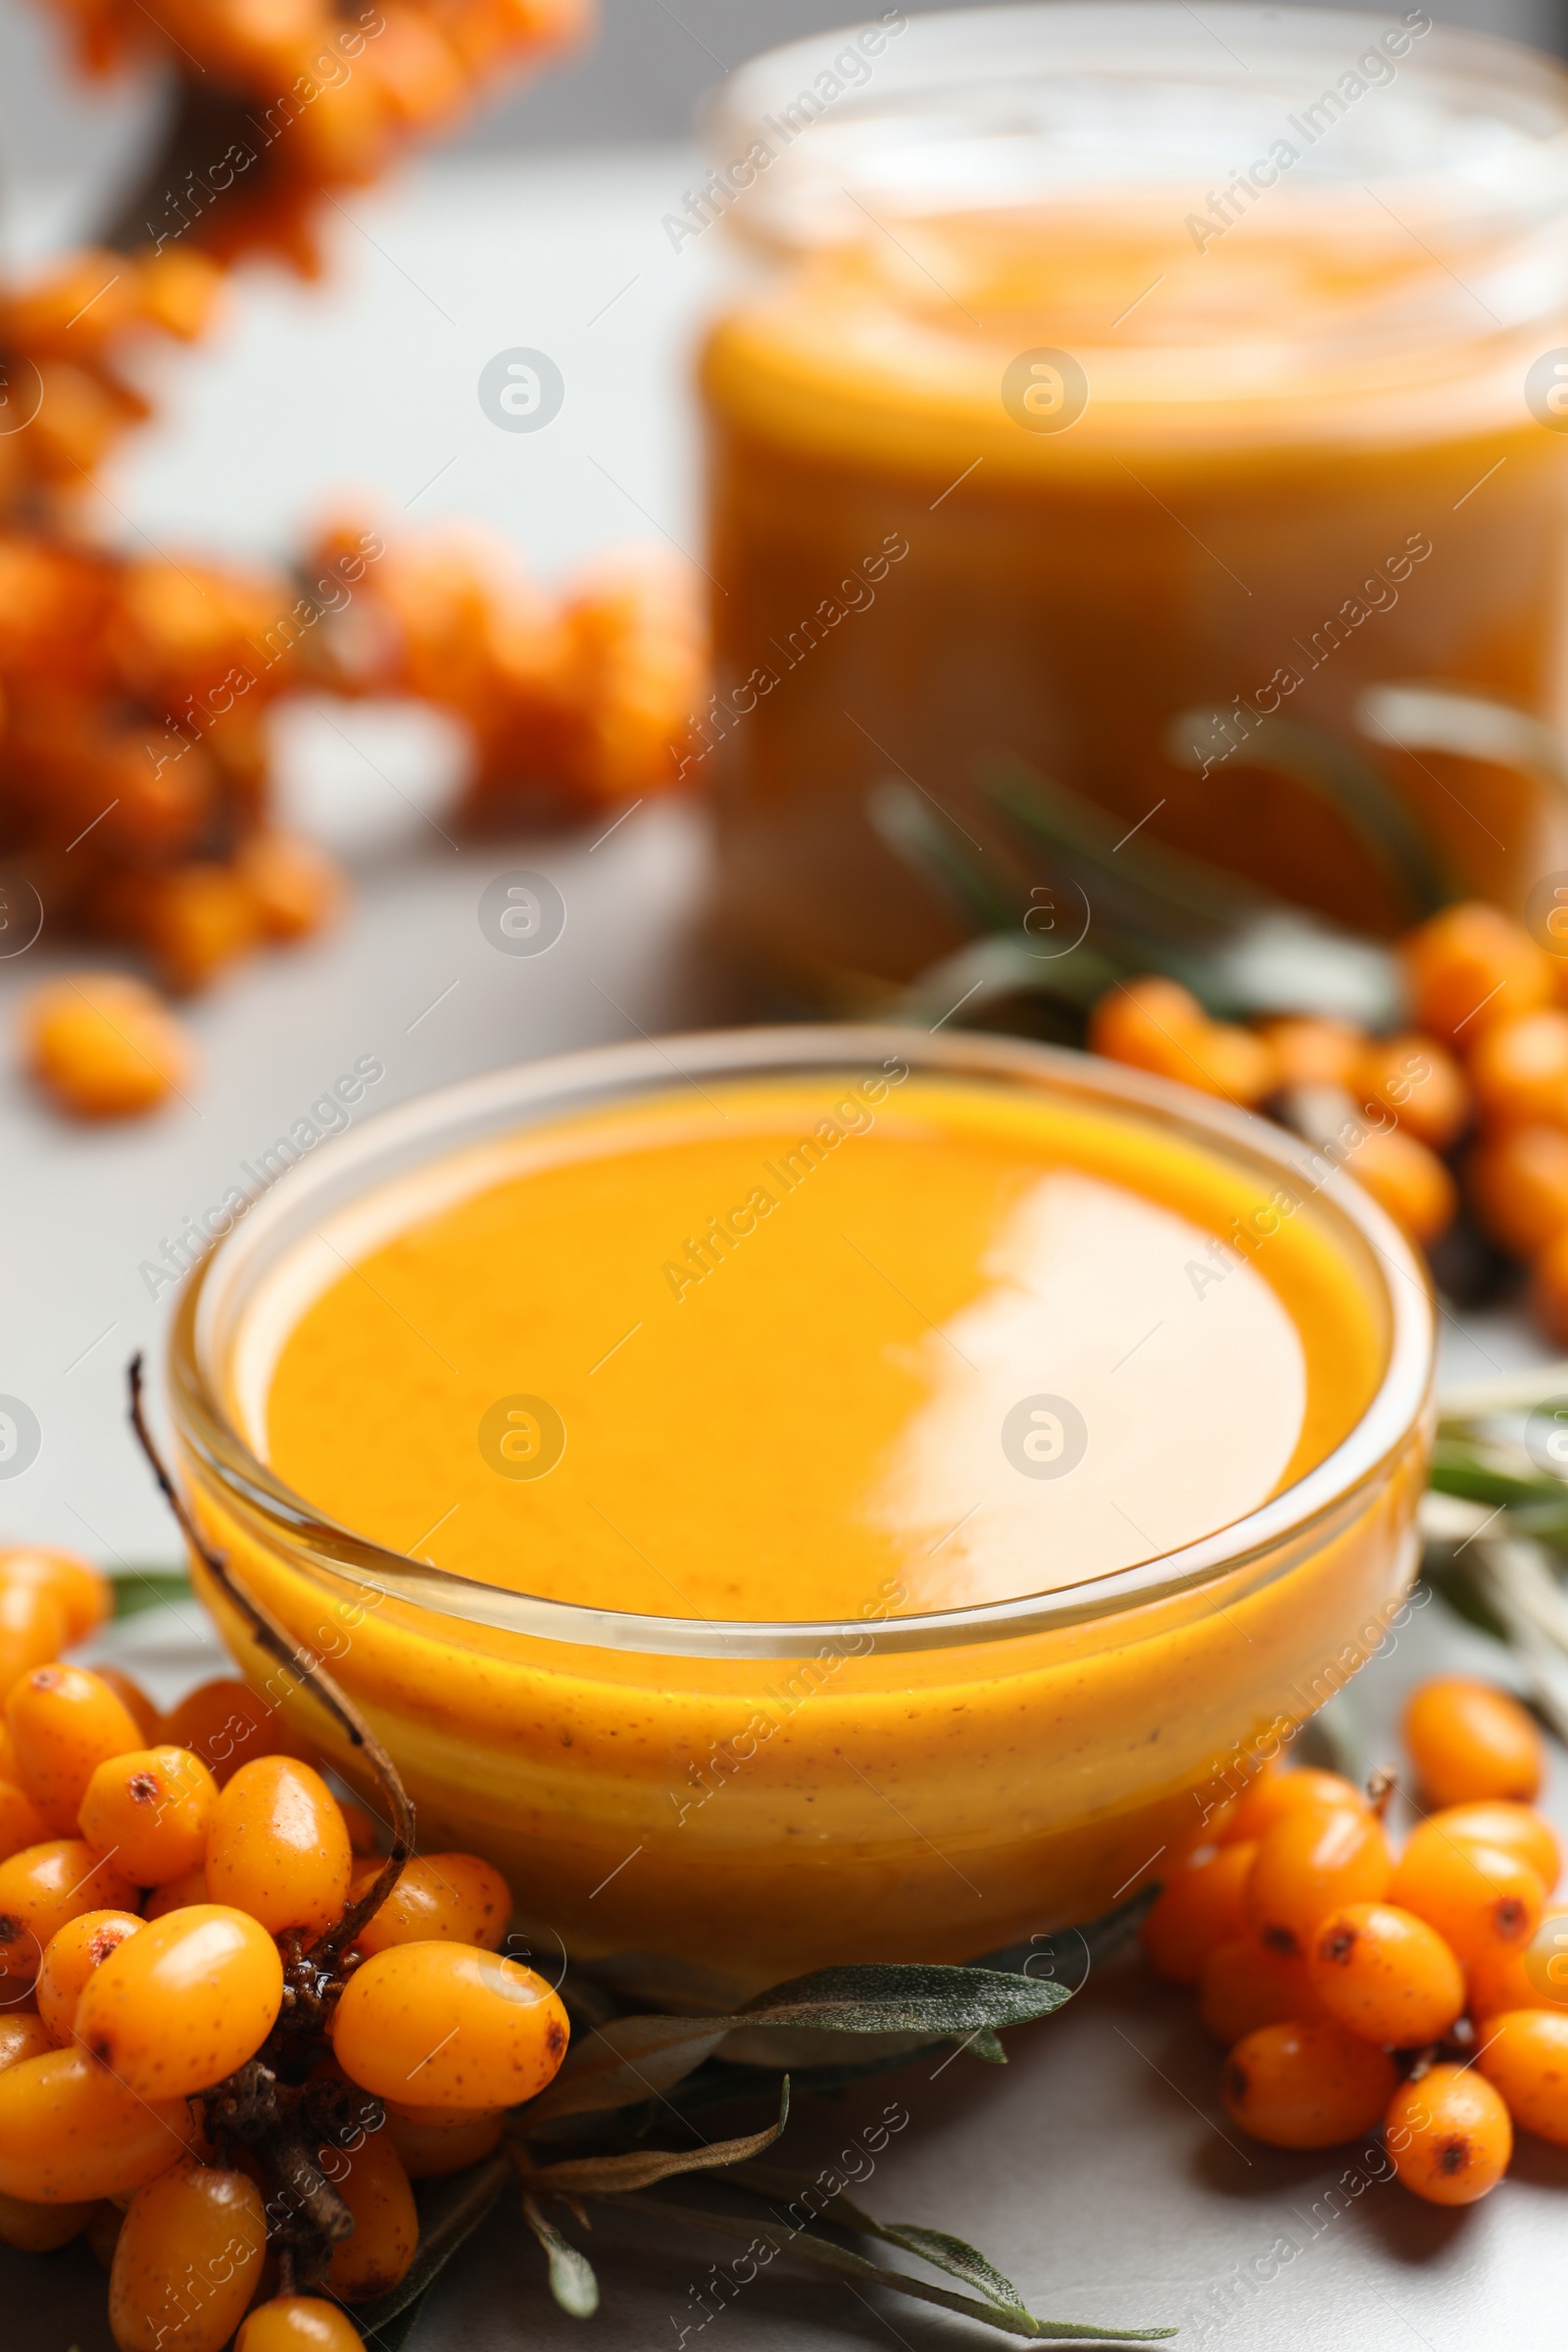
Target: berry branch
[[271, 1636]]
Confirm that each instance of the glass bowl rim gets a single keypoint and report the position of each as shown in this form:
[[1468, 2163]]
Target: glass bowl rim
[[442, 1120]]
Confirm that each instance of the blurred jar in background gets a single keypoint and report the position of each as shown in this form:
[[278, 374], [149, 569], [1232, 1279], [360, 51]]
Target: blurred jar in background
[[1097, 384]]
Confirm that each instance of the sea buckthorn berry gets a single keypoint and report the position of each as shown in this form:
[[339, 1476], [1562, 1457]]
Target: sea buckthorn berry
[[105, 1046], [1470, 967], [179, 1896], [69, 2132], [1147, 1023], [63, 1723], [1276, 1793], [1420, 1082], [429, 2150], [374, 2185], [1512, 1829], [22, 2034], [1244, 1985], [187, 2260], [1523, 2056], [294, 889], [40, 1889], [1535, 1978], [151, 1809], [1201, 1905], [69, 1960], [183, 2003], [1519, 1071], [447, 2025], [1470, 1740], [1546, 1963], [1314, 1861], [1308, 1051], [1481, 1901], [40, 2229], [136, 1701], [445, 1899], [1407, 1181], [278, 1849], [82, 1593], [1223, 1059], [298, 2324], [1384, 1974], [1450, 2135], [226, 1724], [1517, 1183], [1306, 2084], [33, 1632], [21, 1822]]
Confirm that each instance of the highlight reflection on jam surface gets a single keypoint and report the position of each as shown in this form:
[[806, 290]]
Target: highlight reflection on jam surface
[[790, 1347]]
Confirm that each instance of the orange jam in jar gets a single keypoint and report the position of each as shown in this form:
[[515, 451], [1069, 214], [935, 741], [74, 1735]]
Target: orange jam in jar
[[1145, 403]]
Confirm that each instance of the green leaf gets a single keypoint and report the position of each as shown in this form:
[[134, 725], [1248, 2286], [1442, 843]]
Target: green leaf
[[986, 2043], [572, 2278], [722, 2080], [601, 2175], [395, 2334], [1011, 2320], [945, 2253], [907, 1998], [628, 2059], [632, 2057], [138, 1588], [450, 2212]]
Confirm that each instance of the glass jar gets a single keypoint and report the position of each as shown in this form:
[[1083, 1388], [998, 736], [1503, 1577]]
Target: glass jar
[[723, 1804], [1140, 400]]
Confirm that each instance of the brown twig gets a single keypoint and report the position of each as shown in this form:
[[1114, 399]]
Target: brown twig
[[278, 1644]]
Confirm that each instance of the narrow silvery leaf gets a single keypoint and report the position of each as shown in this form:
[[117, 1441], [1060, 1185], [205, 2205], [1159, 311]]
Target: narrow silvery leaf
[[572, 2278]]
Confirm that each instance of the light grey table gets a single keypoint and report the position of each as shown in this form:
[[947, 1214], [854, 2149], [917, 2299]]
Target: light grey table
[[1098, 2169]]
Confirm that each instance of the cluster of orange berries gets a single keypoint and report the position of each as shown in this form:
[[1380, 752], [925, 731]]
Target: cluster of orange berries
[[574, 703], [1484, 1061], [70, 340], [1393, 1106], [170, 1896], [277, 107], [135, 694], [133, 711], [1426, 1994], [133, 707], [272, 109]]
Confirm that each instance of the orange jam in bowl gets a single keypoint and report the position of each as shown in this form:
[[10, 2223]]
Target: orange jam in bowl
[[811, 1495]]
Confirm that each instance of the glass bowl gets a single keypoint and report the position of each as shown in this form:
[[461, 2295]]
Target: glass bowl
[[714, 1806]]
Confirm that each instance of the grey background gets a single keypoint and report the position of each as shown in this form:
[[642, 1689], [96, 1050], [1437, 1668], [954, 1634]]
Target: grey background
[[640, 79]]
